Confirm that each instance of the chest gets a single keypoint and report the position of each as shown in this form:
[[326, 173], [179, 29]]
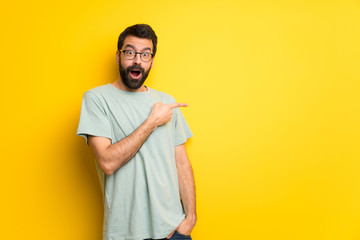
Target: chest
[[126, 114]]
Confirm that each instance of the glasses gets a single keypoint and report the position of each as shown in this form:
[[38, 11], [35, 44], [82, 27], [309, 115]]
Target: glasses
[[130, 54]]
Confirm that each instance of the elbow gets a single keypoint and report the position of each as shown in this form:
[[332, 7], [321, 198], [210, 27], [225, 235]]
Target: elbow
[[109, 163], [107, 166], [108, 170], [182, 164]]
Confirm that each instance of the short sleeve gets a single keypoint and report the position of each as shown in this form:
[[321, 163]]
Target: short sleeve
[[182, 130], [93, 118]]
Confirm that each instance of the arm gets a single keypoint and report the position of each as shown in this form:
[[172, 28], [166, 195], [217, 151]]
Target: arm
[[187, 189], [113, 156]]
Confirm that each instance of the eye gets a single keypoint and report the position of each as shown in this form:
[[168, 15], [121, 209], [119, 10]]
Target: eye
[[146, 54], [130, 52]]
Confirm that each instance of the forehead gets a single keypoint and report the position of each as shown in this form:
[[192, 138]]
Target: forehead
[[137, 44]]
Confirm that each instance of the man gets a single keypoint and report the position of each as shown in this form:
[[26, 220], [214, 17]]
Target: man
[[137, 135]]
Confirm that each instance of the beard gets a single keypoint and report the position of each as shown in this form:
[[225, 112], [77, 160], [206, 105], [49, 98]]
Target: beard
[[130, 82]]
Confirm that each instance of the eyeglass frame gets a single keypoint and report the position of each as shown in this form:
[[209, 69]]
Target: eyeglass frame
[[136, 53]]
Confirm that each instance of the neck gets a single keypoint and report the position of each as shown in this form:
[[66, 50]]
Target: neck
[[120, 85]]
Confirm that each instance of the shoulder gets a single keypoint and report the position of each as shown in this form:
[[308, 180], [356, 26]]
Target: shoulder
[[165, 97], [99, 93]]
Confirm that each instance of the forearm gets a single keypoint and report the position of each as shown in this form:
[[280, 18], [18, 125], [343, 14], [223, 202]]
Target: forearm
[[187, 188], [187, 191], [118, 154]]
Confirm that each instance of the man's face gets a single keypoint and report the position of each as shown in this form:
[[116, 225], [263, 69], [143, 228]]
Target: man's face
[[134, 72]]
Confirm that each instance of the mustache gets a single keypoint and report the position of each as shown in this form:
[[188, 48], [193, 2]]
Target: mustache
[[135, 67]]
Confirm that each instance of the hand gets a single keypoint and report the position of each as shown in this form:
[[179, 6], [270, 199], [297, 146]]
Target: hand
[[161, 113], [185, 227]]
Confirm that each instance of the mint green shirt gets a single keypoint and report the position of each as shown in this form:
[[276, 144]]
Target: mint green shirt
[[141, 199]]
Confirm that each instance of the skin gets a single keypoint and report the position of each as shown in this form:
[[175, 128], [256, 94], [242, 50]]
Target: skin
[[111, 157], [138, 45]]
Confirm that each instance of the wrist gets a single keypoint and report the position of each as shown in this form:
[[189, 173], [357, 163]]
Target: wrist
[[150, 123], [192, 218]]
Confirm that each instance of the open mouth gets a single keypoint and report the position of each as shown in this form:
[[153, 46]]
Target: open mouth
[[135, 74]]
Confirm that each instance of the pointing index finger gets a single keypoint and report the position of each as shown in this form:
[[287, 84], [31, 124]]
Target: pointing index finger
[[175, 105]]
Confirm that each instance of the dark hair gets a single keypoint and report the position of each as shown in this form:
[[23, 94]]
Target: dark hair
[[140, 31]]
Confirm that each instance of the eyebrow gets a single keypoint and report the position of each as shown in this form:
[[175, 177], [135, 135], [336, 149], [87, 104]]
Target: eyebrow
[[133, 47]]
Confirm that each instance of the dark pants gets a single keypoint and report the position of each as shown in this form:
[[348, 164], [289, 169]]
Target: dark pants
[[175, 236]]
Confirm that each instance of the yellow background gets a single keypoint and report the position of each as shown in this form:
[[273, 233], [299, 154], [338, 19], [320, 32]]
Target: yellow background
[[273, 89]]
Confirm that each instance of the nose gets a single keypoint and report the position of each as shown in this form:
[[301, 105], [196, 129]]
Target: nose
[[137, 59]]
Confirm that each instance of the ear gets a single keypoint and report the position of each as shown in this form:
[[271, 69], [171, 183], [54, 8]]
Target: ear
[[117, 57]]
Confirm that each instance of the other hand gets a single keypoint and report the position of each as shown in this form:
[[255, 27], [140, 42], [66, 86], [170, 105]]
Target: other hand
[[185, 227]]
